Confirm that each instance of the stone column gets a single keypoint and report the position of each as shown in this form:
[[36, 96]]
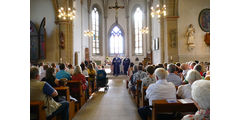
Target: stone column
[[170, 32], [149, 24], [161, 41], [105, 7], [89, 28], [65, 27], [127, 37]]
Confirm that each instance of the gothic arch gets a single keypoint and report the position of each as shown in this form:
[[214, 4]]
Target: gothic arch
[[142, 8], [109, 35], [95, 5]]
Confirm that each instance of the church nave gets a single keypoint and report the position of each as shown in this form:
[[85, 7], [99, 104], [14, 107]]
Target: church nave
[[114, 104]]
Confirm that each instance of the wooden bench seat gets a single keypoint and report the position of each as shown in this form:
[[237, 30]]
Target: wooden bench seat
[[77, 91], [138, 92], [161, 106], [64, 91], [37, 108], [143, 100]]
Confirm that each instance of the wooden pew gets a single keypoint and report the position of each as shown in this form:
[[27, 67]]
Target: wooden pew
[[37, 107], [62, 90], [138, 92], [144, 102], [161, 106], [79, 93]]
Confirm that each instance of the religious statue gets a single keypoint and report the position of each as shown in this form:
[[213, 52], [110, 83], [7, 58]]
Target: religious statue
[[190, 37]]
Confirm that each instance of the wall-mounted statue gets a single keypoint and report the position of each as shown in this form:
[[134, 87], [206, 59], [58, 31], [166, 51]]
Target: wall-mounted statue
[[173, 38], [190, 37]]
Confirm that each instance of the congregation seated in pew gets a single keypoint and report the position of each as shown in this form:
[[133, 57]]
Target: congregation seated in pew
[[70, 69], [172, 77], [78, 76], [50, 78], [62, 73], [84, 69], [43, 71], [201, 98], [185, 69], [42, 91], [162, 89], [184, 91], [150, 78], [139, 75], [92, 75]]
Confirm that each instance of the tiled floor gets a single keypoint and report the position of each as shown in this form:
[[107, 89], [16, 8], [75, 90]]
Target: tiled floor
[[115, 104]]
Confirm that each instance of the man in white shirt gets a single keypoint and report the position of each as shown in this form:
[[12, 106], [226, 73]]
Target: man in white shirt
[[160, 90]]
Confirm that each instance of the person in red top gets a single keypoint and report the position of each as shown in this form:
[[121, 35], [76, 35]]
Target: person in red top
[[78, 76]]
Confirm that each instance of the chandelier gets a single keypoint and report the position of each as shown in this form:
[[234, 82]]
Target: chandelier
[[144, 30], [158, 11], [88, 33], [69, 14]]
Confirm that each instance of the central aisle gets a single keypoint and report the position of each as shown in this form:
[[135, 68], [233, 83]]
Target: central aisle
[[115, 104]]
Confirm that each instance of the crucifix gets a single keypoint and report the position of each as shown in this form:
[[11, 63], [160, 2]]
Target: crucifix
[[116, 7]]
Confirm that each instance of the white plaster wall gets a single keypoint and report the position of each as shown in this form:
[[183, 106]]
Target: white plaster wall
[[38, 10], [156, 34], [189, 11], [84, 23], [77, 31]]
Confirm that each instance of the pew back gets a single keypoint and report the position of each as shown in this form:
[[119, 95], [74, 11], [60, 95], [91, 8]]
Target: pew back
[[77, 91], [138, 92], [144, 102], [37, 108], [161, 106], [64, 91]]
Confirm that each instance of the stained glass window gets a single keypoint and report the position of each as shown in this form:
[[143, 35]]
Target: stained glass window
[[116, 41], [137, 27], [95, 29]]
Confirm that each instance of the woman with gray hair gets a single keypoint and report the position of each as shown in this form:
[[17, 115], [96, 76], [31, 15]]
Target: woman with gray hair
[[201, 98], [184, 91]]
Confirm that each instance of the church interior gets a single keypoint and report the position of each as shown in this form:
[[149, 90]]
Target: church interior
[[117, 36]]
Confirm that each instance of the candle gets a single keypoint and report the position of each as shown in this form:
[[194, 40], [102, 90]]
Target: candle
[[60, 60]]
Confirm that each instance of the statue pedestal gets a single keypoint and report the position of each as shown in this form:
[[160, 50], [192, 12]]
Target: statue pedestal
[[191, 47]]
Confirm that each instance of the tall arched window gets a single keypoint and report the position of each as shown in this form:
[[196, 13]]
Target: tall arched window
[[137, 27], [95, 29], [116, 41]]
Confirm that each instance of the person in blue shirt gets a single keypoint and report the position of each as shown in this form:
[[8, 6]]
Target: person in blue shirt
[[62, 73]]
